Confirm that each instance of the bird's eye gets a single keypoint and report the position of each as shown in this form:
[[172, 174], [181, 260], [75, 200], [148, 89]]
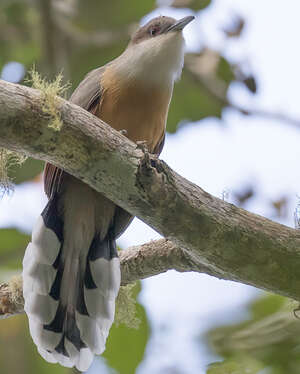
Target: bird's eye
[[154, 30]]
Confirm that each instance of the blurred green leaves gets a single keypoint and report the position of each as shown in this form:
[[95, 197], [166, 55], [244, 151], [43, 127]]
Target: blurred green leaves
[[240, 365], [98, 15], [269, 339], [202, 89], [18, 354], [191, 102], [18, 33], [192, 4], [12, 247], [124, 349], [199, 4], [28, 171], [125, 346]]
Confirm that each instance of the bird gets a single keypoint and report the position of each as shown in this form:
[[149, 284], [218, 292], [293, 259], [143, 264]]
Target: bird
[[71, 269]]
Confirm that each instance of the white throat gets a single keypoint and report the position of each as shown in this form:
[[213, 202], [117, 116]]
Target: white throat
[[155, 61]]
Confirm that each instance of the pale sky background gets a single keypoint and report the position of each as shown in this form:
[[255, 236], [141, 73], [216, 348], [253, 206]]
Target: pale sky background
[[217, 156]]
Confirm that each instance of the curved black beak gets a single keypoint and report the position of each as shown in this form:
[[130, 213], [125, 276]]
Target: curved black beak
[[180, 24]]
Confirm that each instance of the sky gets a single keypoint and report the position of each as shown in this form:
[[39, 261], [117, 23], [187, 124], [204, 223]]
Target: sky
[[218, 157]]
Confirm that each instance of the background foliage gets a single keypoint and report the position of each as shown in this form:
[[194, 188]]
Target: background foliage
[[73, 37]]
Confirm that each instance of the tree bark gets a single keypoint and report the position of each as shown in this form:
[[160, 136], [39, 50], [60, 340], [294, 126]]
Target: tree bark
[[137, 263], [214, 236]]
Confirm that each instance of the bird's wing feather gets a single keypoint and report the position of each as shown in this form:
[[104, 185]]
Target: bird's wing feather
[[53, 177], [159, 146], [87, 95]]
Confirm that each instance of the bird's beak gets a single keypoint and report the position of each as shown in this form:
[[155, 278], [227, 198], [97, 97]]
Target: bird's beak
[[180, 24]]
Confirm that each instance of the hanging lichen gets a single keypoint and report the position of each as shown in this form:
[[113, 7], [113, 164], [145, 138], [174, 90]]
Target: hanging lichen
[[51, 91], [7, 160], [50, 106], [126, 307]]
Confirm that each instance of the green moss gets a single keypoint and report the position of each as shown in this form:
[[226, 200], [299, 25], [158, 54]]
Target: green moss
[[51, 91], [7, 160], [126, 307]]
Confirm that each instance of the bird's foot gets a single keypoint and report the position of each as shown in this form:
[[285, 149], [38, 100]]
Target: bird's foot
[[142, 144]]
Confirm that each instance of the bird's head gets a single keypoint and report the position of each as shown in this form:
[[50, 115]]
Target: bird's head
[[156, 50]]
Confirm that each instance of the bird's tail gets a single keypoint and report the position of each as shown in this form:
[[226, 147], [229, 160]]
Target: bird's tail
[[69, 294]]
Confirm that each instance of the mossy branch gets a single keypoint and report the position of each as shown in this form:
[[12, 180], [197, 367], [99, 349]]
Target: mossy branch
[[50, 91], [8, 159], [206, 233]]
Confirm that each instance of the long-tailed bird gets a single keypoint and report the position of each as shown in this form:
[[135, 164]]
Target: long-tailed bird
[[71, 270]]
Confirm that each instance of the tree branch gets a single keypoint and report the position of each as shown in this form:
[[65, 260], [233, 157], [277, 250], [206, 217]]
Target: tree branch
[[155, 257], [214, 235], [137, 262]]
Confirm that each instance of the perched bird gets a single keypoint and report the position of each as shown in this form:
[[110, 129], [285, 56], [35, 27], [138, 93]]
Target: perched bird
[[71, 270]]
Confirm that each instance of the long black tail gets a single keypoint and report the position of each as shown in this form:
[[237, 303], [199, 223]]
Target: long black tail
[[69, 298]]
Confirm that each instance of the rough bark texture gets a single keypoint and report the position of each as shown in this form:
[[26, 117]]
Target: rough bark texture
[[156, 257], [214, 235]]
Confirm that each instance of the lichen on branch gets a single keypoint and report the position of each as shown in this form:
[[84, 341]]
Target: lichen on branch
[[126, 307], [50, 91], [11, 297], [212, 235], [7, 160]]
